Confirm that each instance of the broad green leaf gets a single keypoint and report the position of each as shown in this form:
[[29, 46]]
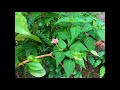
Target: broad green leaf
[[37, 73], [34, 37], [35, 66], [69, 53], [102, 71], [62, 44], [99, 22], [101, 34], [75, 31], [20, 37], [79, 60], [78, 46], [21, 24], [94, 53], [89, 18], [78, 75], [47, 21], [32, 58], [89, 42], [87, 27], [63, 35], [91, 60], [101, 53], [62, 20], [55, 49], [59, 57], [98, 62], [69, 66]]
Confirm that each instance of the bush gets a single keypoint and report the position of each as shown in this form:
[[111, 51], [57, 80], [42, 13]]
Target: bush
[[59, 44]]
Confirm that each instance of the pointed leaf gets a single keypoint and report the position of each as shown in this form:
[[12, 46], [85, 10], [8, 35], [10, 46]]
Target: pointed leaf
[[78, 46], [94, 53], [21, 24], [80, 61], [89, 18], [86, 27], [69, 53], [89, 42], [69, 66], [99, 22], [62, 44], [59, 57], [63, 35], [75, 31], [102, 71], [20, 37], [34, 37], [101, 34], [98, 62]]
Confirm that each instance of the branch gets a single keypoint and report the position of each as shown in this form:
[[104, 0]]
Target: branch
[[41, 56]]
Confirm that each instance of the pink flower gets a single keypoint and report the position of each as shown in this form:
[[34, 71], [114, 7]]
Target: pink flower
[[54, 41]]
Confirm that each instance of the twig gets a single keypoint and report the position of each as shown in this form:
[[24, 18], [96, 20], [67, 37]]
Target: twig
[[41, 56]]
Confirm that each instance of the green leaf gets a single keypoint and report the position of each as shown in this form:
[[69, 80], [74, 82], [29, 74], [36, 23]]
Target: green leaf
[[16, 61], [63, 35], [79, 60], [94, 53], [75, 31], [101, 53], [91, 60], [69, 53], [34, 66], [101, 34], [62, 44], [98, 62], [78, 46], [84, 55], [20, 37], [69, 66], [89, 42], [59, 57], [78, 75], [37, 73], [102, 71], [47, 21], [62, 20], [86, 27], [32, 58], [34, 37], [89, 18], [99, 22], [21, 24]]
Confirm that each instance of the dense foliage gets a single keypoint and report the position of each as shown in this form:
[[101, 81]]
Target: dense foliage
[[60, 44]]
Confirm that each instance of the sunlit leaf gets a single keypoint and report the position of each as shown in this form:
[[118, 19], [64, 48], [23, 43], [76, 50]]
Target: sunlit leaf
[[102, 71], [37, 73]]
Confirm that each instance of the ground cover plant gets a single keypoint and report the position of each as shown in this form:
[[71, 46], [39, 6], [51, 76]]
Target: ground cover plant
[[59, 44]]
